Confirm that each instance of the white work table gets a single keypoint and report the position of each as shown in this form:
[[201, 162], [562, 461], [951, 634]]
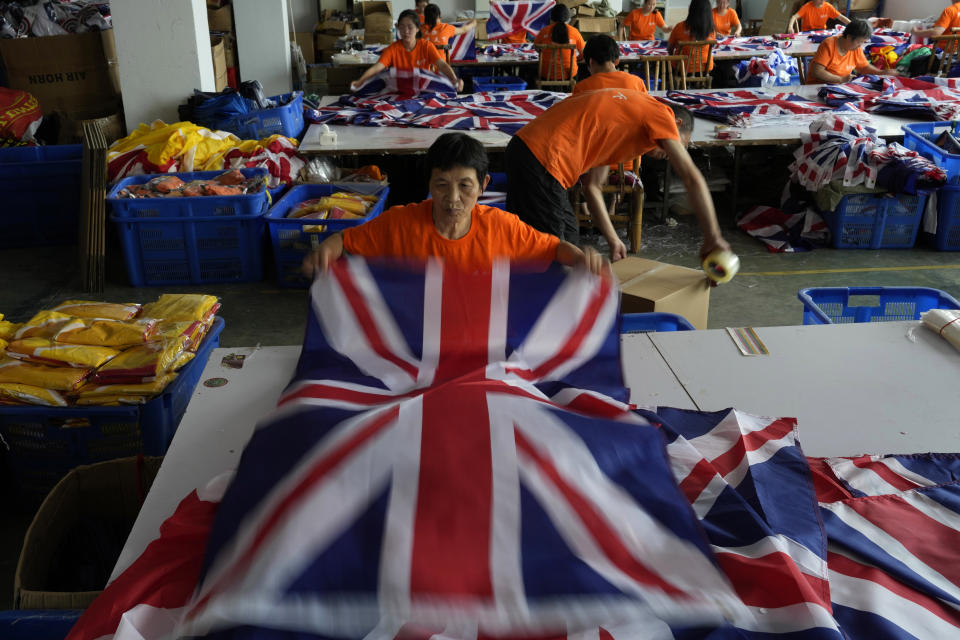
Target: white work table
[[865, 388], [393, 140]]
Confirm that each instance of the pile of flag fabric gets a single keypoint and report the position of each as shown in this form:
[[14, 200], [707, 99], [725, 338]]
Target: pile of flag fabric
[[455, 458], [631, 48], [512, 50], [421, 98], [922, 98], [99, 353], [748, 107], [184, 146], [776, 69]]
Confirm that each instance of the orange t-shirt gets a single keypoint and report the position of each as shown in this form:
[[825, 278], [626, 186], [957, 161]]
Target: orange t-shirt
[[643, 26], [422, 17], [727, 22], [547, 59], [610, 80], [949, 19], [829, 56], [440, 34], [813, 18], [407, 231], [680, 34], [597, 128], [423, 56], [514, 38]]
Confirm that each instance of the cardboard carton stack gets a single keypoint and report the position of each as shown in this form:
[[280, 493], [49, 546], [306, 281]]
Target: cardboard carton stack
[[222, 34], [329, 34], [586, 20], [377, 22]]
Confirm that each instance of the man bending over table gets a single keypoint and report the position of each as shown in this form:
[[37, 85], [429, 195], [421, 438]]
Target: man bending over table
[[838, 56], [451, 224]]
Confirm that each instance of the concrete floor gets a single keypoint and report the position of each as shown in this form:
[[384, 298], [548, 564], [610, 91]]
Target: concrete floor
[[764, 294]]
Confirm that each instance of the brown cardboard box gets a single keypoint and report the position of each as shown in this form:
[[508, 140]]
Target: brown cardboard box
[[339, 78], [68, 73], [305, 40], [376, 6], [220, 19], [648, 286], [71, 126], [597, 25], [107, 494], [862, 5], [480, 33], [571, 4], [230, 50], [377, 17], [219, 62], [586, 10], [377, 37], [338, 27]]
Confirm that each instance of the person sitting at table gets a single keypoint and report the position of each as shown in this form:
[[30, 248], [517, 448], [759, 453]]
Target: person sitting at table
[[585, 134], [948, 21], [559, 32], [602, 55], [838, 56], [725, 19], [409, 52], [697, 26], [421, 8], [451, 225], [642, 23], [439, 33], [813, 16]]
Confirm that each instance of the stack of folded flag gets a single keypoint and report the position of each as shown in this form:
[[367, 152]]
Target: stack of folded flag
[[99, 353]]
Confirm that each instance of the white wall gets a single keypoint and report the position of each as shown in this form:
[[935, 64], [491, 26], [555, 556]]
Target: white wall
[[911, 9]]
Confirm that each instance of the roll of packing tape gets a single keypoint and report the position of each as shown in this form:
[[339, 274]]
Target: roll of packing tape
[[721, 265]]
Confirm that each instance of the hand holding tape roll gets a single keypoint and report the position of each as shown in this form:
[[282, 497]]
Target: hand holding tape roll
[[721, 265]]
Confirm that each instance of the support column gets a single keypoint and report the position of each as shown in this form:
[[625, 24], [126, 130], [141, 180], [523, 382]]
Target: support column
[[263, 43], [163, 49]]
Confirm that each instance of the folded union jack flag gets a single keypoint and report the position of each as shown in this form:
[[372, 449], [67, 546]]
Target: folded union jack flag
[[747, 107], [507, 18], [512, 51], [919, 97]]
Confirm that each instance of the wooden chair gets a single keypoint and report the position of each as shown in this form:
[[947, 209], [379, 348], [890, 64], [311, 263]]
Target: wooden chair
[[656, 68], [554, 76], [622, 195], [699, 56], [445, 50], [803, 65], [951, 54]]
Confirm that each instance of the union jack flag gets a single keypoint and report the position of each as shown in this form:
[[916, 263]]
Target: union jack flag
[[405, 83], [463, 45], [906, 97], [507, 18], [637, 48], [783, 232], [745, 106], [512, 51]]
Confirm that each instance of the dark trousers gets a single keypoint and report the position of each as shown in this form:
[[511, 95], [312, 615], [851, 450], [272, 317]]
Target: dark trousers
[[535, 196]]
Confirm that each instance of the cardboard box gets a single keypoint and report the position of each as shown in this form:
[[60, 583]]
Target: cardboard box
[[377, 6], [597, 25], [480, 33], [862, 5], [338, 27], [230, 50], [219, 62], [93, 501], [572, 4], [113, 126], [67, 73], [648, 286], [377, 37], [220, 19], [305, 40], [586, 10]]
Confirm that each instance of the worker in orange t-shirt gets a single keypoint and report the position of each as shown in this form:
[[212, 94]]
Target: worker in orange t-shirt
[[642, 23], [409, 52], [559, 32], [697, 27], [948, 21], [421, 8], [813, 16], [586, 133], [439, 33], [838, 56], [725, 19], [451, 225]]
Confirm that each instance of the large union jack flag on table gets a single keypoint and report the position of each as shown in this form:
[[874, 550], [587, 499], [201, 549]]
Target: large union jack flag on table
[[751, 107], [507, 18], [921, 97]]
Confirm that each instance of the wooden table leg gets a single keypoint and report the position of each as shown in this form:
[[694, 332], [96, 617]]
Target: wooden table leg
[[636, 219]]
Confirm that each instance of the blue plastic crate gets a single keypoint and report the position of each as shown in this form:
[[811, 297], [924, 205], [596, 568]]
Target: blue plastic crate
[[655, 321], [286, 120], [47, 442], [199, 206], [291, 243], [498, 83], [948, 219], [38, 624], [921, 137], [839, 305], [871, 221], [41, 195]]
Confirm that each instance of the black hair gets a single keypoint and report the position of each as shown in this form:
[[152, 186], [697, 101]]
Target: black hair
[[559, 15], [857, 29], [601, 49], [457, 150], [431, 15], [683, 115], [413, 15], [700, 19]]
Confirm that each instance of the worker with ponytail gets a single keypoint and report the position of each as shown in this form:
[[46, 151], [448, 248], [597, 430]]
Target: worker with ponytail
[[559, 32]]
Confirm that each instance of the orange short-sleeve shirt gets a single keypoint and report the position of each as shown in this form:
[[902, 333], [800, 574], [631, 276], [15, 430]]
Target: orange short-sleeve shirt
[[813, 18], [681, 34], [610, 80], [597, 128], [726, 22], [643, 26], [423, 56], [514, 38], [567, 61], [829, 56], [407, 231], [440, 34], [950, 18]]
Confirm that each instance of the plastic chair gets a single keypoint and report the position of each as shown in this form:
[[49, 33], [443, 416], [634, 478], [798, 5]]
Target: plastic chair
[[553, 73], [699, 57]]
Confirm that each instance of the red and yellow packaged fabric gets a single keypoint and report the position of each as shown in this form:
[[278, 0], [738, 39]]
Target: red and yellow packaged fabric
[[111, 401], [105, 310], [192, 331], [152, 388], [29, 394], [142, 363], [182, 307], [44, 324], [107, 333], [43, 351], [182, 360], [8, 330], [38, 375]]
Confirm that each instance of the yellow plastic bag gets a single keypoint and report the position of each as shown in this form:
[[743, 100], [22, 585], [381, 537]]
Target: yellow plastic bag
[[144, 362], [31, 394], [37, 375], [44, 324], [182, 307], [107, 333], [182, 360], [133, 389], [106, 310], [8, 330], [43, 351], [192, 331]]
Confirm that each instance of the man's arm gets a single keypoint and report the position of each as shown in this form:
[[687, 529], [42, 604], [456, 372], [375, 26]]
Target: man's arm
[[928, 33], [698, 194], [589, 259], [593, 194], [819, 72], [320, 259], [842, 18]]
